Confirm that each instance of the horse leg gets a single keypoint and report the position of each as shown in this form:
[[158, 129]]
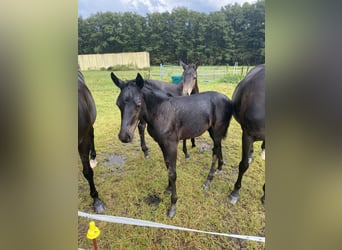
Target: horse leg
[[263, 150], [263, 197], [243, 166], [141, 128], [217, 155], [250, 154], [185, 150], [170, 157], [194, 91], [263, 157], [193, 145], [93, 161], [88, 173]]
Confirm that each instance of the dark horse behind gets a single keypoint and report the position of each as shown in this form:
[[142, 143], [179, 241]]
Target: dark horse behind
[[188, 86], [171, 119], [86, 147], [249, 110]]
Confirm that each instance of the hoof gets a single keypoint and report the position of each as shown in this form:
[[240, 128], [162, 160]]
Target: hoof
[[262, 154], [206, 185], [233, 198], [167, 191], [187, 157], [172, 211], [93, 163], [99, 206], [263, 200], [146, 155], [193, 146], [219, 170], [250, 159]]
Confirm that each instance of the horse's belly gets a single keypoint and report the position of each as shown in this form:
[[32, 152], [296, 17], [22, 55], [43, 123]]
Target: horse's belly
[[191, 132]]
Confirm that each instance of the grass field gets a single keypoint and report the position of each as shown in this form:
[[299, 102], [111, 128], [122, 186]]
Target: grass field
[[125, 180]]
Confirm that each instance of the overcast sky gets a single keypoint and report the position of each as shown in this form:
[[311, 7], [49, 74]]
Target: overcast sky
[[88, 7]]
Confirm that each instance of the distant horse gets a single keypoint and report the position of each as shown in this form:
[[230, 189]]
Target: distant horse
[[86, 119], [188, 86], [171, 119], [249, 110]]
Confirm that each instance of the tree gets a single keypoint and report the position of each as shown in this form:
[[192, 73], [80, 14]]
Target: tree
[[235, 33]]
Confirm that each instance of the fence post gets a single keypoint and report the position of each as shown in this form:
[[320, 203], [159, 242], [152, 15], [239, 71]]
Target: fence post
[[161, 71]]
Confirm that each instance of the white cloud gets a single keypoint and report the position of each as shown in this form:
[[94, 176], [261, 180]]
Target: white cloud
[[88, 7]]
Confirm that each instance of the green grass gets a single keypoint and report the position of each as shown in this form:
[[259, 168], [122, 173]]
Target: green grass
[[123, 188]]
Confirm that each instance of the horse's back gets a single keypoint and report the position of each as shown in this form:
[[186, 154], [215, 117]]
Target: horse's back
[[166, 87], [210, 108], [249, 101], [86, 107]]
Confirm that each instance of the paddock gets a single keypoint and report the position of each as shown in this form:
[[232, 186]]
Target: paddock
[[132, 186]]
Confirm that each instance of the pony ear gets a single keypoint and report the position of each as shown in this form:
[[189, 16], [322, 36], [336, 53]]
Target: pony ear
[[139, 81], [117, 81], [198, 62], [183, 64]]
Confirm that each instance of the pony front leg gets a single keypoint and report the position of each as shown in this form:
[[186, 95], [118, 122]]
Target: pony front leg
[[174, 197], [170, 157], [88, 173], [141, 128]]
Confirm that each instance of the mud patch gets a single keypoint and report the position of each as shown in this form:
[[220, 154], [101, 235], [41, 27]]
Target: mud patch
[[152, 200], [117, 160], [203, 146], [114, 162]]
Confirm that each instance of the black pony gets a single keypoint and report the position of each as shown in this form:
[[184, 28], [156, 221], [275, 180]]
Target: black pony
[[86, 119], [188, 86], [249, 110], [171, 119]]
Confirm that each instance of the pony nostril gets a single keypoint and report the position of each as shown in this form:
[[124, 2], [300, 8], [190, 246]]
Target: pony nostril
[[128, 138], [125, 137]]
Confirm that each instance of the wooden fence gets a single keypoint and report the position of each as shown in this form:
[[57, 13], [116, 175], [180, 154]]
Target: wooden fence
[[103, 61]]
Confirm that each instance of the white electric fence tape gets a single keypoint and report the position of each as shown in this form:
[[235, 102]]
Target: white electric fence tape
[[137, 222]]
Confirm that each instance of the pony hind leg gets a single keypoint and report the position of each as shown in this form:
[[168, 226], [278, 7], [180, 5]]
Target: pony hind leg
[[247, 142], [185, 150], [93, 161], [216, 156], [84, 149], [193, 144]]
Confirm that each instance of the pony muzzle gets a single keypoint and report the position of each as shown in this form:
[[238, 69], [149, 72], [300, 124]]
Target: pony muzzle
[[125, 137], [186, 92]]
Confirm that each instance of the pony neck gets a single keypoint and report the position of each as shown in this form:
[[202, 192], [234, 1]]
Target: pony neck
[[153, 99]]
